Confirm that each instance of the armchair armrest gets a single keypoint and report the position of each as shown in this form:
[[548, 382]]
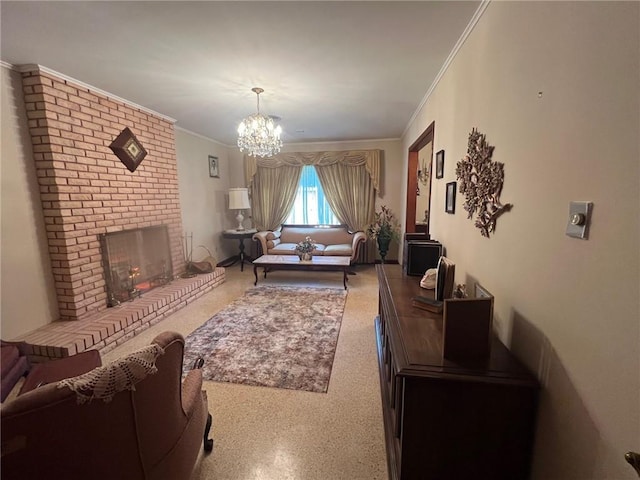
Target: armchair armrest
[[358, 239], [261, 238], [191, 391]]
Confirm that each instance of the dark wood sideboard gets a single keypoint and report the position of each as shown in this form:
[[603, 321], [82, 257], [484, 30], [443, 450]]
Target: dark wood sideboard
[[447, 420]]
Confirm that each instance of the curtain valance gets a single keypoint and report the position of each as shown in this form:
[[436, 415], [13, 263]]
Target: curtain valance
[[369, 158]]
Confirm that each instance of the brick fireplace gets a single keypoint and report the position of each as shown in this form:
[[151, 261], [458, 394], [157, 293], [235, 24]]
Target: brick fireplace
[[135, 262], [84, 188]]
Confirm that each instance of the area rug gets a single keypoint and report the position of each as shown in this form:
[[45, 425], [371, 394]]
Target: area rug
[[273, 336]]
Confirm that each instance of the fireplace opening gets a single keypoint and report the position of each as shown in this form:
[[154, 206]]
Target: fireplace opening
[[135, 261]]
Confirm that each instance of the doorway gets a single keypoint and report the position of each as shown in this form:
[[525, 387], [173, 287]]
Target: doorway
[[419, 182]]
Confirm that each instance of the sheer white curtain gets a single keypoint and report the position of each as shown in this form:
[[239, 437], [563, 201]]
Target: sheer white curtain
[[311, 206]]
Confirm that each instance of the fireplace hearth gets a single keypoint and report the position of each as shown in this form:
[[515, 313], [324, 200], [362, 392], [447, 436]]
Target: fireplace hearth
[[135, 261]]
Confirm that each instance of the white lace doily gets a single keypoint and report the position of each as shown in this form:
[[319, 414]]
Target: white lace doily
[[122, 374]]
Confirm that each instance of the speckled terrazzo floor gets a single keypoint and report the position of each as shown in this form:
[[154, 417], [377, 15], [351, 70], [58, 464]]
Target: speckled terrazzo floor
[[273, 434]]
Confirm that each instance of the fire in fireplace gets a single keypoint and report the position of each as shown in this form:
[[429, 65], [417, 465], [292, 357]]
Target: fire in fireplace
[[135, 261]]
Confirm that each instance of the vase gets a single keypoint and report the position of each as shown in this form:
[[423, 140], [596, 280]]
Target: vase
[[383, 246], [305, 256]]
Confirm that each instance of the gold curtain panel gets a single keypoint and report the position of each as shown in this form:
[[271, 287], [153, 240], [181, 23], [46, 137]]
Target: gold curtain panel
[[371, 159]]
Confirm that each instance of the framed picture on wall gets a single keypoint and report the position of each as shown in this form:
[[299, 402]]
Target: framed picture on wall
[[481, 292], [450, 203], [440, 164], [128, 149], [214, 170]]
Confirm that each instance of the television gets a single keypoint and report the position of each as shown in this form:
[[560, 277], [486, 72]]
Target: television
[[444, 279]]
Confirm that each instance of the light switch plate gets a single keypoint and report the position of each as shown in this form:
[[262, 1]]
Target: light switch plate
[[579, 219]]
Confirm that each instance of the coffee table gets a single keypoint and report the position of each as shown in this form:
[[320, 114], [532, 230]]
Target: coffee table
[[292, 262]]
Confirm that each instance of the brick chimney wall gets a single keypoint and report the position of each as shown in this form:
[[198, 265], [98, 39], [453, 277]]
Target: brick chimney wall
[[84, 188]]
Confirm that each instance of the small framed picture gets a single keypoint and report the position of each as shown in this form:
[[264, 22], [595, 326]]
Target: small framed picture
[[440, 164], [214, 170], [481, 292], [450, 203]]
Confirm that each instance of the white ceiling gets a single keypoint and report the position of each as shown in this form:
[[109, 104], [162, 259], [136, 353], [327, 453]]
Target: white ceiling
[[332, 71]]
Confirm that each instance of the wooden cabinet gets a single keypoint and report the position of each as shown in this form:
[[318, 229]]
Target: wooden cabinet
[[443, 419]]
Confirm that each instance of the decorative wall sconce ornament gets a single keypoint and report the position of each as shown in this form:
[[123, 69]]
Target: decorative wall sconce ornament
[[423, 176], [128, 149], [424, 172], [481, 182]]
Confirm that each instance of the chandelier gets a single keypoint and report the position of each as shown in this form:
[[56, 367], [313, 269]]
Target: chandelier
[[258, 134]]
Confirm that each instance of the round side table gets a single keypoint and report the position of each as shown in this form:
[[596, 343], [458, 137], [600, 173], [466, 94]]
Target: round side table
[[240, 235]]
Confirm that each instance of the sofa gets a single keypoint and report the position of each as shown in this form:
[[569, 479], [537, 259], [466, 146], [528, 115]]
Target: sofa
[[134, 418], [329, 239]]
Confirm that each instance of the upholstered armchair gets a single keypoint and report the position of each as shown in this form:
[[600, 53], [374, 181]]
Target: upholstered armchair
[[13, 366], [133, 418]]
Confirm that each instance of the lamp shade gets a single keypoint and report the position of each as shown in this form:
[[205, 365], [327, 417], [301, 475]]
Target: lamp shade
[[238, 199]]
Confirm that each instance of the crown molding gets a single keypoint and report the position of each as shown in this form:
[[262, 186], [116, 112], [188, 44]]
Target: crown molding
[[291, 144], [327, 142], [7, 65], [467, 31], [32, 67]]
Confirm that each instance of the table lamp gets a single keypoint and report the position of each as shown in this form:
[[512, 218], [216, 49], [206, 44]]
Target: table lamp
[[239, 200]]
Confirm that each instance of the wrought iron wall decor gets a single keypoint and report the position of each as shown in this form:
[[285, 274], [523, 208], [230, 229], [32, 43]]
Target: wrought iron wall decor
[[481, 182]]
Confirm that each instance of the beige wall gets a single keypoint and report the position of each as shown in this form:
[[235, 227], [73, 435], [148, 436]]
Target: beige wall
[[26, 281], [204, 199], [568, 307]]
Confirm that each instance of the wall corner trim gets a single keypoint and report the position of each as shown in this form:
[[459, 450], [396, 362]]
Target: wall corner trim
[[7, 65], [463, 37]]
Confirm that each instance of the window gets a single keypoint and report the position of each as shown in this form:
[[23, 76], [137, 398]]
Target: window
[[311, 206]]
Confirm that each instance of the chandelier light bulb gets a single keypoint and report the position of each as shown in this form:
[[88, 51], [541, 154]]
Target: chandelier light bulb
[[257, 134]]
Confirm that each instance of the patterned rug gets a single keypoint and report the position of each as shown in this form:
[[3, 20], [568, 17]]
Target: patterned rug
[[273, 336]]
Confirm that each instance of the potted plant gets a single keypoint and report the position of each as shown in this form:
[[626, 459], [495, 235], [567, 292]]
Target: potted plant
[[384, 228], [305, 248]]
